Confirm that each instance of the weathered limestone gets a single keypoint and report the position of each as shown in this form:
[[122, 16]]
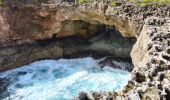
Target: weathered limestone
[[28, 23], [151, 60]]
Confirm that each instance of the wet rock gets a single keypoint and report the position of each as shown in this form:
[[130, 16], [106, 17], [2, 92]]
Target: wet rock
[[167, 91], [83, 96], [140, 78], [115, 63], [22, 73], [4, 82]]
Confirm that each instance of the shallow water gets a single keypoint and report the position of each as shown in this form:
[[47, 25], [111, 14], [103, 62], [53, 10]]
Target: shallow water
[[62, 79]]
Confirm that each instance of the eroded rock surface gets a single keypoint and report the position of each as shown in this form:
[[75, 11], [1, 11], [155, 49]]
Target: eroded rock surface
[[24, 22], [152, 61]]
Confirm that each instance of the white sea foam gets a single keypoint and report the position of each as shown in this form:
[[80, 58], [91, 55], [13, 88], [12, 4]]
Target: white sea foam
[[62, 79]]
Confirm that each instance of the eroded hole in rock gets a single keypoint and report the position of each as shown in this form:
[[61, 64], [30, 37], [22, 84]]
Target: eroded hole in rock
[[100, 62], [168, 51], [161, 77], [168, 42], [166, 57], [158, 49], [140, 78], [168, 94], [149, 46]]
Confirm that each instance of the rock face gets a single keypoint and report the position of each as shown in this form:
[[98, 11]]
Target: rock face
[[22, 23], [151, 59], [25, 22], [80, 28], [108, 42], [132, 17]]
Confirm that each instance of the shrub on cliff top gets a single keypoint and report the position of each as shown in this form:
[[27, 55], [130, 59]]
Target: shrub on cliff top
[[145, 2], [82, 1], [1, 2], [114, 3]]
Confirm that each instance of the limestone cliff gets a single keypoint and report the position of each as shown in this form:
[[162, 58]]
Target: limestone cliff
[[152, 60], [32, 31]]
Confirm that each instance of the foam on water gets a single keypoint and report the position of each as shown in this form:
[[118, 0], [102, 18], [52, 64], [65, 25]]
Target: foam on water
[[62, 79]]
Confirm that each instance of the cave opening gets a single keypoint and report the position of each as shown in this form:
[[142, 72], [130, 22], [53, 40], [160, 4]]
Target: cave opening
[[100, 62]]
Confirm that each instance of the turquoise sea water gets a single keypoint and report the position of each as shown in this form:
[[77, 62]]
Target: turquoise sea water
[[62, 79]]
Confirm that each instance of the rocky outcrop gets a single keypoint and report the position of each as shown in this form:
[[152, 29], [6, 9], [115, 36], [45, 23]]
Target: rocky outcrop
[[131, 17], [23, 22], [127, 17], [152, 61], [115, 63], [32, 31]]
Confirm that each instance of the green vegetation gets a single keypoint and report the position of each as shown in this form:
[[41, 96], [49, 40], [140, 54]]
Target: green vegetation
[[1, 2], [141, 3], [114, 3], [150, 1], [39, 1], [82, 1], [144, 3]]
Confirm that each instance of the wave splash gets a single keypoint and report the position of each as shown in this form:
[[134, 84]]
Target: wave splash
[[62, 79]]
